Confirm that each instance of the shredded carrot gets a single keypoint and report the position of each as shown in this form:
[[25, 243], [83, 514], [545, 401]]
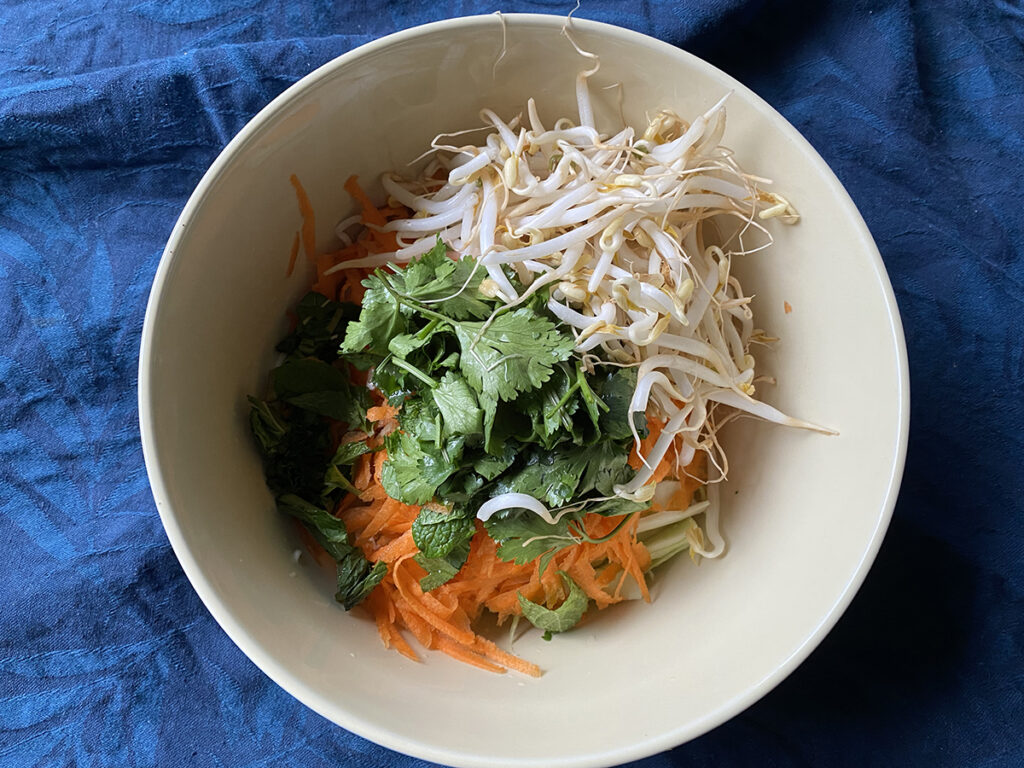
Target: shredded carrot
[[442, 618], [293, 256], [381, 413], [308, 219], [382, 241]]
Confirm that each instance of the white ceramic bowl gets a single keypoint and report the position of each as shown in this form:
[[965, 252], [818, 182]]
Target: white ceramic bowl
[[804, 514]]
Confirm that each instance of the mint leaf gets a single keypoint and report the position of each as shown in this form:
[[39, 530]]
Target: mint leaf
[[336, 480], [356, 576], [347, 453], [268, 427], [337, 477], [356, 580], [458, 406], [320, 326], [566, 616], [319, 387], [441, 570], [438, 531], [514, 354]]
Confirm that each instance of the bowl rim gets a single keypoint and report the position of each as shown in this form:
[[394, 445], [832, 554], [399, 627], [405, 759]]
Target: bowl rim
[[331, 709]]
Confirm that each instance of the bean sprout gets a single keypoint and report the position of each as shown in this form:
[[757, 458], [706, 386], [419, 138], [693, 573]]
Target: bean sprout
[[626, 230]]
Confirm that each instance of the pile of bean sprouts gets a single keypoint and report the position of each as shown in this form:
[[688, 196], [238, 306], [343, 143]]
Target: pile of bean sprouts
[[627, 231]]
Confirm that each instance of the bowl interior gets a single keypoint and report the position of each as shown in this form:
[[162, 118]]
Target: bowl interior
[[803, 513]]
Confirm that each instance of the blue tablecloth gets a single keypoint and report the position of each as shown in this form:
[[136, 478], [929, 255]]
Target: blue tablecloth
[[110, 111]]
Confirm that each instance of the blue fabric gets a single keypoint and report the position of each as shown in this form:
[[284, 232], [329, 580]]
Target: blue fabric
[[110, 111]]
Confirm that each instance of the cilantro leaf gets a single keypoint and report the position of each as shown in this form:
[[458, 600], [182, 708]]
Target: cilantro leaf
[[616, 390], [458, 406], [523, 537], [381, 319], [401, 476], [490, 465], [461, 487], [552, 476], [492, 442], [414, 469], [514, 353], [438, 531], [455, 284], [438, 465], [566, 616], [607, 466]]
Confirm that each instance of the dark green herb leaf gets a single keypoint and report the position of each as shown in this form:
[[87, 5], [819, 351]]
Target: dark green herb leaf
[[316, 386], [381, 319], [551, 476], [616, 390], [523, 536], [453, 285], [438, 531], [267, 426], [347, 453], [458, 406], [299, 377], [461, 487], [441, 570], [295, 459], [320, 327], [356, 576], [606, 467], [336, 480], [490, 466], [514, 354], [566, 616], [338, 476]]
